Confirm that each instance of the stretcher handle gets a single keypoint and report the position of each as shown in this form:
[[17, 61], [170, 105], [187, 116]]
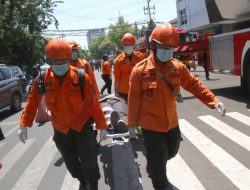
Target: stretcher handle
[[117, 135]]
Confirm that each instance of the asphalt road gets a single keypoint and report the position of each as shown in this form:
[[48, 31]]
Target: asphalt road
[[214, 154]]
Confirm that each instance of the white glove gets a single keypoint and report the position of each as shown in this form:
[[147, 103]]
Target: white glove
[[132, 134], [22, 133], [220, 108], [102, 134]]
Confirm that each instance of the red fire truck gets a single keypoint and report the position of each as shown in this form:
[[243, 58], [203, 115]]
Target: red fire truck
[[193, 48], [224, 53]]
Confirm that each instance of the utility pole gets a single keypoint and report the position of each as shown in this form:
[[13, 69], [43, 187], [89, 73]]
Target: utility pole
[[147, 11]]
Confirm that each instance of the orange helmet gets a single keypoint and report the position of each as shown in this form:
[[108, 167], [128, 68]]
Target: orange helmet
[[73, 45], [128, 39], [57, 49], [165, 34]]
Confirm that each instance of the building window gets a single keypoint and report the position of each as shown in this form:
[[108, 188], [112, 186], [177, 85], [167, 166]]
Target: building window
[[183, 16]]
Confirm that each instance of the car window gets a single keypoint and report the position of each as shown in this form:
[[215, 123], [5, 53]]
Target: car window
[[1, 76], [6, 72], [15, 71]]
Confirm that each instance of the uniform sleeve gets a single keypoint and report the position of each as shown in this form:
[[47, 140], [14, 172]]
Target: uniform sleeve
[[117, 73], [192, 84], [134, 99], [92, 78], [94, 106], [30, 109]]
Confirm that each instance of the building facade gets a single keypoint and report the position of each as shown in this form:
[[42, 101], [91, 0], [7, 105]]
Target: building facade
[[217, 16]]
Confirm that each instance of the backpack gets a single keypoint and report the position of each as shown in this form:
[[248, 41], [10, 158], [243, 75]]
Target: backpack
[[40, 81]]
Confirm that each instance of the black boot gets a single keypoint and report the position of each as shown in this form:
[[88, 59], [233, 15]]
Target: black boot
[[93, 186], [83, 184], [1, 135]]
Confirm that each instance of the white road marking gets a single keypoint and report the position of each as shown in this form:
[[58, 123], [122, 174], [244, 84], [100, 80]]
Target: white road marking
[[32, 176], [228, 165], [239, 117], [187, 181], [69, 182], [11, 131], [13, 156], [8, 123], [235, 135]]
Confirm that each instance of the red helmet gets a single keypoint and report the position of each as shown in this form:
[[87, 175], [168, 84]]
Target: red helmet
[[128, 39], [57, 49], [73, 45], [165, 34]]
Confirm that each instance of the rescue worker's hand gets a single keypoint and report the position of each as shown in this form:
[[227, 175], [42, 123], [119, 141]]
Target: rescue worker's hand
[[132, 134], [102, 134], [22, 133], [220, 108]]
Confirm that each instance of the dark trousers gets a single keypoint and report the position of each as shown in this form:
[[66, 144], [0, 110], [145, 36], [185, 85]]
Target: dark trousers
[[160, 147], [124, 96], [108, 84], [79, 151]]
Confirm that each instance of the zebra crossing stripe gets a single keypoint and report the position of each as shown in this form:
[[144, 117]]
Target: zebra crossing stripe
[[69, 182], [187, 181], [235, 135], [8, 123], [13, 156], [239, 117], [234, 170], [7, 134], [34, 173], [11, 131]]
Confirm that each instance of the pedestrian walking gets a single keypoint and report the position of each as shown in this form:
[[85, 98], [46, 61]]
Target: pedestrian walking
[[154, 89], [124, 64], [205, 66], [106, 74], [84, 64], [74, 108]]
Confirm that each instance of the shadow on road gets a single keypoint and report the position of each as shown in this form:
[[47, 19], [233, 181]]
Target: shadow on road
[[105, 154], [234, 93]]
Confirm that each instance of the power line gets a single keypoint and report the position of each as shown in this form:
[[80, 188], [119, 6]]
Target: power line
[[83, 32]]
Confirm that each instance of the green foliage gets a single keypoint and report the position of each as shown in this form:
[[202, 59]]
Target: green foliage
[[118, 30], [100, 45], [21, 25], [108, 44]]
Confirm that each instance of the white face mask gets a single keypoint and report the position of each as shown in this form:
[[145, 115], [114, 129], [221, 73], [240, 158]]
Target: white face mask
[[164, 55], [128, 49]]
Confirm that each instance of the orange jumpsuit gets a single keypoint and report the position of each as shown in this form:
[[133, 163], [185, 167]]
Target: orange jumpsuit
[[68, 109], [79, 63], [151, 103], [123, 68]]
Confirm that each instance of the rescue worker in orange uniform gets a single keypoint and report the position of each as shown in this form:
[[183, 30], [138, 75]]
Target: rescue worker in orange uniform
[[154, 88], [106, 74], [72, 114], [124, 64], [84, 64]]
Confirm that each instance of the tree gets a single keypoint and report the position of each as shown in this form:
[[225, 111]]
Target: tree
[[99, 46], [118, 30], [21, 25]]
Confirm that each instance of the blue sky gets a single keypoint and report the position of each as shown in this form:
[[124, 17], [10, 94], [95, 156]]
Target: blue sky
[[83, 14]]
